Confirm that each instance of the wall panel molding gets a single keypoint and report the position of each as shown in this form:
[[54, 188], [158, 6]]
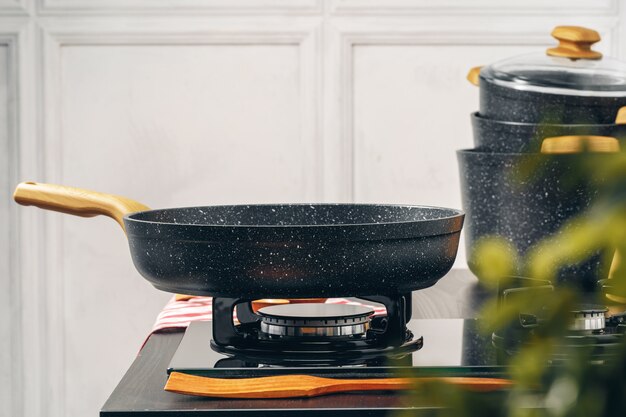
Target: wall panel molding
[[10, 314], [475, 7], [13, 7], [305, 33], [621, 33], [19, 314], [248, 7]]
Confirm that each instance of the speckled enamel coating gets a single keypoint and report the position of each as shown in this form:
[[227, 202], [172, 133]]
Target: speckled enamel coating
[[297, 250], [508, 104], [498, 136], [498, 202]]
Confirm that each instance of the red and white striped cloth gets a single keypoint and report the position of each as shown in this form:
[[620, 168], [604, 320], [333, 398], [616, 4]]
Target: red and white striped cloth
[[179, 313]]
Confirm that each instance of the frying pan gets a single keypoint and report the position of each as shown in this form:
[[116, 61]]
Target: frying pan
[[264, 251]]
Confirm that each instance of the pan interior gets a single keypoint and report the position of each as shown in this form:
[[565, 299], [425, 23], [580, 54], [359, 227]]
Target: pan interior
[[296, 215]]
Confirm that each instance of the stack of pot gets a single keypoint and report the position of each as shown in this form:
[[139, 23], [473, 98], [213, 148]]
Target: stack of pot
[[541, 112]]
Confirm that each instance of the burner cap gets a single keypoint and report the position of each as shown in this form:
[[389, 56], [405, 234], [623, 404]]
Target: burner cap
[[315, 320], [588, 317]]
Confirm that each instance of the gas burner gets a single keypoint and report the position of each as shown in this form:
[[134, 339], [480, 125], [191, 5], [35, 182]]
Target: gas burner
[[319, 321], [307, 333], [588, 318], [589, 327]]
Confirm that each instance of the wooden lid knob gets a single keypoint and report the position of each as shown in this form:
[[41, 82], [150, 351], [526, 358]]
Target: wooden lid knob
[[578, 144], [575, 43]]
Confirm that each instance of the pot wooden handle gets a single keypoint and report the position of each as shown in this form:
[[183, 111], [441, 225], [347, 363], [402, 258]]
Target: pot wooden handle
[[75, 201], [620, 119], [291, 386], [575, 43], [578, 144], [473, 75]]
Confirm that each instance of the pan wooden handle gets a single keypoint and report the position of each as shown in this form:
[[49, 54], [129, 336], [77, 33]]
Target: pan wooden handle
[[291, 386], [75, 201]]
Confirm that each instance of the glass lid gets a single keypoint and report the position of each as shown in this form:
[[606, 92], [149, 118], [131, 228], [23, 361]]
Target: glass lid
[[571, 67]]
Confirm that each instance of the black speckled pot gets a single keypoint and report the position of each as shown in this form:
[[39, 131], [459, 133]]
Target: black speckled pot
[[508, 104], [498, 202], [294, 250], [513, 137]]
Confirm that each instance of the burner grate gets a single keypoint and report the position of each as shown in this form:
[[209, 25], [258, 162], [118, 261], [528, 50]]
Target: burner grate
[[321, 330]]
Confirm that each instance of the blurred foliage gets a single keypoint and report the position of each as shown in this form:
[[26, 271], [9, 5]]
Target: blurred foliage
[[494, 259], [577, 384]]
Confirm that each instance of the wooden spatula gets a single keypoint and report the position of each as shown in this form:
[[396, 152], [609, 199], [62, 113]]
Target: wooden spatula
[[289, 386]]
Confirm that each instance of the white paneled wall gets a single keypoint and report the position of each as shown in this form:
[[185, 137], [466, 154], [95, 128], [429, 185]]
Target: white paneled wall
[[196, 102]]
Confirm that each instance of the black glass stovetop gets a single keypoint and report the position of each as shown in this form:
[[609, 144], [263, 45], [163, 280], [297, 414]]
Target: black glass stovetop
[[450, 346]]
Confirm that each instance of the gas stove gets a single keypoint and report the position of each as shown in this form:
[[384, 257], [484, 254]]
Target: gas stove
[[350, 341], [333, 340]]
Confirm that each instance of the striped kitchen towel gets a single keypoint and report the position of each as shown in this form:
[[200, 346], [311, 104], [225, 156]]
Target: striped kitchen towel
[[180, 311]]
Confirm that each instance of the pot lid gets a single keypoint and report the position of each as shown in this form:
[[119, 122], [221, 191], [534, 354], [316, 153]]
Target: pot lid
[[571, 68]]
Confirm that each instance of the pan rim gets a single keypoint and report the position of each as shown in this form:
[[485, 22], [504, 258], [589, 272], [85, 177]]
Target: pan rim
[[455, 214]]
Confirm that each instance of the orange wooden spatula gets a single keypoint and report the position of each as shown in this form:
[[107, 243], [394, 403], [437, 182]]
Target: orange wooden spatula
[[289, 386]]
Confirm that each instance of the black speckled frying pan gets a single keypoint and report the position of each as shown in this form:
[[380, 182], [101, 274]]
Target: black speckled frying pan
[[288, 250]]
